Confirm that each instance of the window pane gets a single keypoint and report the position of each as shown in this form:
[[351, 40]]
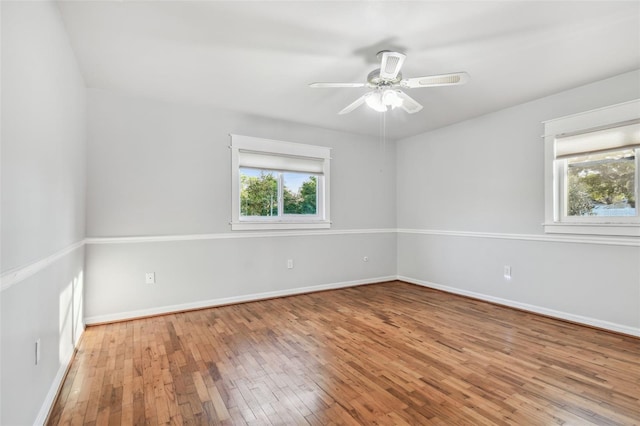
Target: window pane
[[602, 184], [300, 193], [258, 192]]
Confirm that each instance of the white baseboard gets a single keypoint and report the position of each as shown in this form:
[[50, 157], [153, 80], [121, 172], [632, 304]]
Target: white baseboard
[[55, 387], [632, 331], [120, 316]]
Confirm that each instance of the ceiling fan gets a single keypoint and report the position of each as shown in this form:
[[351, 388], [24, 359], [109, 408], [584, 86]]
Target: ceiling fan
[[386, 81]]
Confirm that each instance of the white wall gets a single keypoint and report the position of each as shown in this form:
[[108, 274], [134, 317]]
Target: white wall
[[43, 186], [485, 176], [164, 169]]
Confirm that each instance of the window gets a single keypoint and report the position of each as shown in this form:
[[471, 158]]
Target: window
[[279, 185], [592, 169], [600, 185]]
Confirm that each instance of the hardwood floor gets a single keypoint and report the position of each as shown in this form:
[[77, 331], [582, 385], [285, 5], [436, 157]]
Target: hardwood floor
[[390, 353]]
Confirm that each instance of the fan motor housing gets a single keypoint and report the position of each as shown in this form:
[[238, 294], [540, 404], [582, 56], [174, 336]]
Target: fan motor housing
[[375, 80]]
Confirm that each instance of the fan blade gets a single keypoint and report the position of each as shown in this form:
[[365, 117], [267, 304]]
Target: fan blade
[[408, 103], [323, 85], [355, 104], [391, 64], [452, 79]]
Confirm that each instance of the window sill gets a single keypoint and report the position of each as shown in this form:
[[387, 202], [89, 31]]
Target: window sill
[[606, 229], [253, 226]]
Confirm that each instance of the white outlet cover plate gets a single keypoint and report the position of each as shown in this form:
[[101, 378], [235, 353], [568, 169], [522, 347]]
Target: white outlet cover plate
[[38, 351], [507, 272]]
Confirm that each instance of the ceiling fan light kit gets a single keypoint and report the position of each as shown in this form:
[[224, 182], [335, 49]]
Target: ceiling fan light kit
[[382, 100], [385, 82]]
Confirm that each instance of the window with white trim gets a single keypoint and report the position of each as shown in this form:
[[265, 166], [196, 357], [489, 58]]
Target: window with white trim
[[592, 172], [279, 185]]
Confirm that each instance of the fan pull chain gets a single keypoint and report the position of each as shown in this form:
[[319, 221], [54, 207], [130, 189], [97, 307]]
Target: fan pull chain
[[383, 131]]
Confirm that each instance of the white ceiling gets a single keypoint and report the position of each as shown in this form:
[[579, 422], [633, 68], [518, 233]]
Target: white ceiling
[[258, 57]]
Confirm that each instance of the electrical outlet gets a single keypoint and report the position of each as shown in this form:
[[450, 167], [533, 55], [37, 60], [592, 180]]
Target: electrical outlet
[[38, 349], [507, 272], [289, 263], [150, 278]]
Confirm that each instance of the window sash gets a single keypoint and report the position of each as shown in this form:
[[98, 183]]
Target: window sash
[[282, 216], [561, 168]]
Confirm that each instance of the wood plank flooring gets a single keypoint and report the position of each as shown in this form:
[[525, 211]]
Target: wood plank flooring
[[390, 353]]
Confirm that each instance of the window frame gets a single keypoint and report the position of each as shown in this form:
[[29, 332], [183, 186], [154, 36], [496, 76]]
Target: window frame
[[556, 220], [274, 148]]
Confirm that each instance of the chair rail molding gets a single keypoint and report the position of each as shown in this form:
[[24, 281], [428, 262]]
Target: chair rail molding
[[603, 240], [15, 275]]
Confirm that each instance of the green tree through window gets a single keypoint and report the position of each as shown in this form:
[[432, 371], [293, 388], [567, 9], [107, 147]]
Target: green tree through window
[[259, 193], [601, 179], [302, 201]]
